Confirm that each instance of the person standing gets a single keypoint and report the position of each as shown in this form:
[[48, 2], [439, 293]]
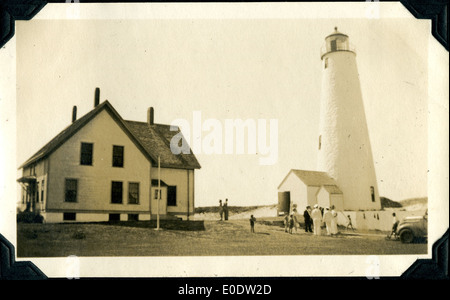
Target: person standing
[[327, 220], [291, 223], [296, 219], [334, 228], [308, 219], [252, 224], [349, 224], [225, 209], [286, 223], [394, 226], [220, 209], [317, 219]]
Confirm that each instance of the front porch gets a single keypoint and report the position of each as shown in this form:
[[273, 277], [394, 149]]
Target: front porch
[[32, 195]]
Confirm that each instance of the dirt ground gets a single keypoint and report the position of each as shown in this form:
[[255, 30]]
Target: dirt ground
[[197, 238]]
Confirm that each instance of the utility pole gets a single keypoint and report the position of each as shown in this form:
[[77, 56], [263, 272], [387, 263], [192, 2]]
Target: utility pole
[[159, 192]]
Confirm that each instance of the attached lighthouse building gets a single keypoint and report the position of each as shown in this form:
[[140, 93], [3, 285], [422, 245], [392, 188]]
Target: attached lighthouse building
[[344, 150]]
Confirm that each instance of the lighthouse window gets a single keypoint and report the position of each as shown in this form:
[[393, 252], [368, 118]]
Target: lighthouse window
[[333, 45], [326, 63], [372, 193], [320, 142]]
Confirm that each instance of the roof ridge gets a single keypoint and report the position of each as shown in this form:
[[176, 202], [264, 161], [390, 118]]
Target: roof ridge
[[312, 171], [143, 122], [155, 132], [312, 178]]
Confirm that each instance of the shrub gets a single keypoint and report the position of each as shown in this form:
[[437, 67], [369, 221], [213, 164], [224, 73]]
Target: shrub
[[79, 235], [29, 217]]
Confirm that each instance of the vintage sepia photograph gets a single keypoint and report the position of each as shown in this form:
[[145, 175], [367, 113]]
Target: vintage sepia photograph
[[243, 136]]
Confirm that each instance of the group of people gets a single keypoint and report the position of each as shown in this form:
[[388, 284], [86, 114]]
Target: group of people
[[314, 218], [291, 221], [223, 210]]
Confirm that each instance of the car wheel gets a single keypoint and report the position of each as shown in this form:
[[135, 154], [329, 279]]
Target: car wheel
[[406, 236]]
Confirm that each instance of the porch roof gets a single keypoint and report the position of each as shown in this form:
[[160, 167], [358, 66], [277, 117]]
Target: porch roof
[[155, 183], [27, 179]]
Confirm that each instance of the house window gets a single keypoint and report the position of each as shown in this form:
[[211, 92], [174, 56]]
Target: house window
[[320, 142], [71, 189], [114, 217], [117, 156], [156, 194], [372, 193], [326, 63], [86, 154], [116, 192], [69, 216], [32, 170], [133, 192], [42, 190], [37, 193], [172, 195]]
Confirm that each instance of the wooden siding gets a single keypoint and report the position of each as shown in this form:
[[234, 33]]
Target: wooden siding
[[323, 198], [312, 195], [94, 182], [179, 178], [299, 191]]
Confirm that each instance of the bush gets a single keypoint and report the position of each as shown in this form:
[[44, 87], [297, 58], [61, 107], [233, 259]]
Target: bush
[[29, 217], [79, 235]]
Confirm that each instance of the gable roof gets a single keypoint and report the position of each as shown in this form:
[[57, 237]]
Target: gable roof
[[61, 137], [332, 189], [311, 178], [156, 140], [146, 138]]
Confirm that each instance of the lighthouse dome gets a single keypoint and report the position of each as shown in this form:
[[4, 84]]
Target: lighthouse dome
[[336, 41]]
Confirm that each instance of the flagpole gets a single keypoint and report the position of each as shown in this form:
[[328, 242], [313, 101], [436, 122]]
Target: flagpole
[[159, 192]]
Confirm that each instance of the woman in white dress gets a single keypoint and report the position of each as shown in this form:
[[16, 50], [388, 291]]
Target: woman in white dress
[[327, 217], [334, 229], [316, 215]]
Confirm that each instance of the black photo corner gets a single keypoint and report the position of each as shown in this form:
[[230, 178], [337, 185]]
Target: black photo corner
[[434, 268]]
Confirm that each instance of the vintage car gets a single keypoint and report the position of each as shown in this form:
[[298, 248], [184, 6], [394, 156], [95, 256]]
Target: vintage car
[[413, 228]]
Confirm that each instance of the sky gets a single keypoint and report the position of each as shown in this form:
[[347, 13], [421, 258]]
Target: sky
[[226, 68]]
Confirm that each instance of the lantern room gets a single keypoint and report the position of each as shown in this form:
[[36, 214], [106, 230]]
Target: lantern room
[[336, 41]]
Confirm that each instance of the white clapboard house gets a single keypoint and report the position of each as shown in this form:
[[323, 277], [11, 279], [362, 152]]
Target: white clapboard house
[[102, 167]]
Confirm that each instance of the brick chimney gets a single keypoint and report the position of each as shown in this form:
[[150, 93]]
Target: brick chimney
[[74, 113], [150, 116], [97, 97]]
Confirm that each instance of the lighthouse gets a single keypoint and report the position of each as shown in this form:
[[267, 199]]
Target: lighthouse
[[344, 150]]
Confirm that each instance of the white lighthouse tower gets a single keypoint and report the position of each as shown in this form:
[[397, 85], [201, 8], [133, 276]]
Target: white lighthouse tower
[[344, 146]]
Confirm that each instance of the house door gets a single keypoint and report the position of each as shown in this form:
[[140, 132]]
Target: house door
[[162, 201], [284, 203]]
